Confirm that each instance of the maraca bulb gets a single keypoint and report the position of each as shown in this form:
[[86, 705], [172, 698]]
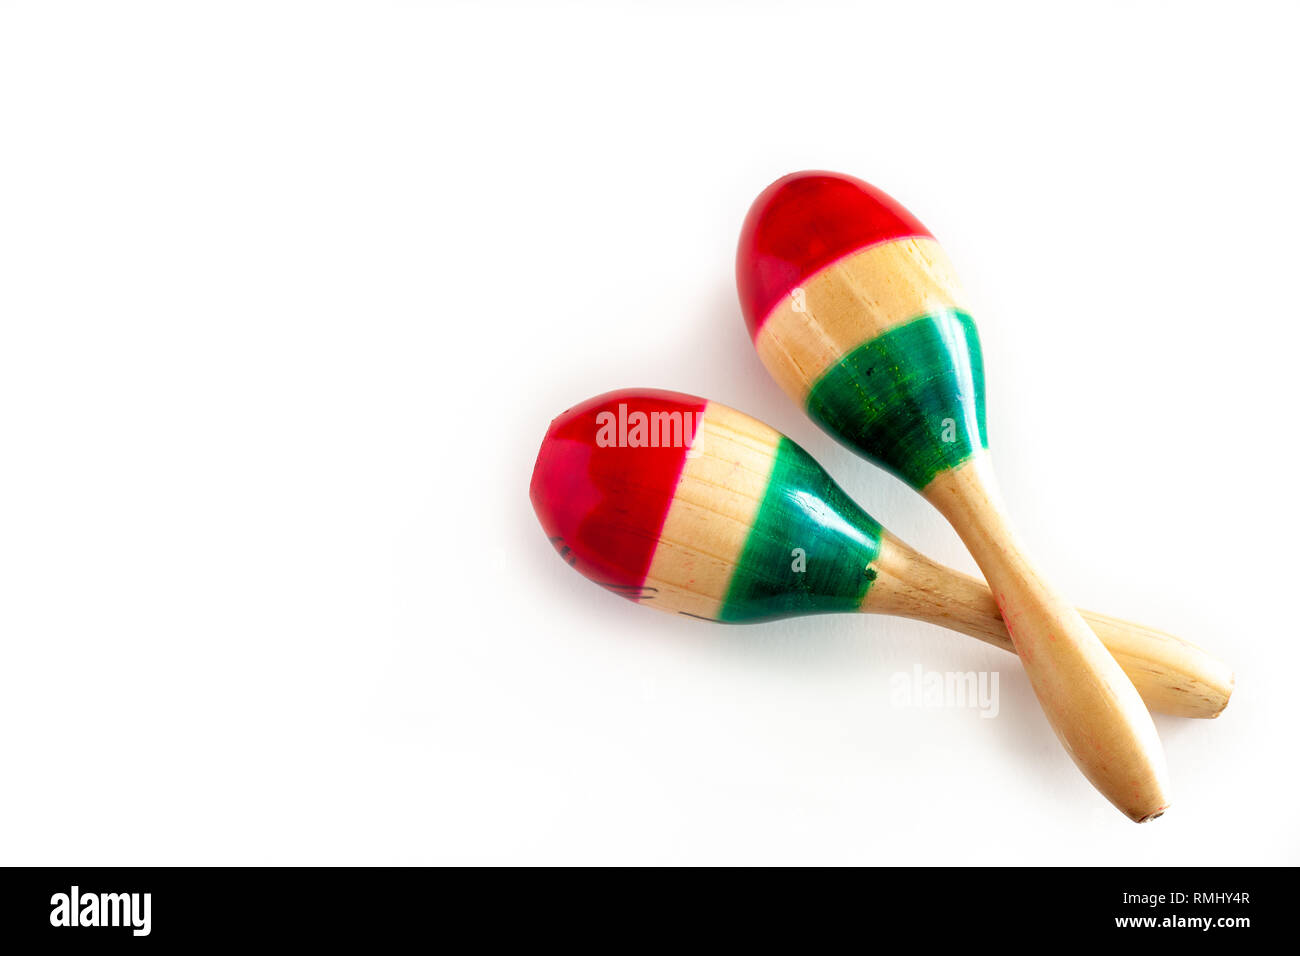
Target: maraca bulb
[[858, 314], [692, 507]]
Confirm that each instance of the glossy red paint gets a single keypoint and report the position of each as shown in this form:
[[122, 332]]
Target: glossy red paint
[[603, 505], [802, 223]]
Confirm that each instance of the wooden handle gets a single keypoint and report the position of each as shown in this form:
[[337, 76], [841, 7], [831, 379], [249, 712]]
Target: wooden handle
[[1089, 701], [1172, 675]]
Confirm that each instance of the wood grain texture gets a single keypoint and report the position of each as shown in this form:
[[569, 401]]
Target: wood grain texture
[[1172, 675], [1090, 702], [717, 500], [851, 302], [912, 399]]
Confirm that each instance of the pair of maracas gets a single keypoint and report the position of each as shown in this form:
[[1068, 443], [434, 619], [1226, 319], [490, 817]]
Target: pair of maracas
[[692, 507]]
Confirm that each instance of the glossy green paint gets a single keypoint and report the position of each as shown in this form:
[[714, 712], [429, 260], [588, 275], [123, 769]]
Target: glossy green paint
[[911, 399], [802, 508]]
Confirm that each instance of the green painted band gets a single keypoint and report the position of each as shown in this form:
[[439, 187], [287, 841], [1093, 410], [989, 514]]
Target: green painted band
[[912, 399], [809, 549]]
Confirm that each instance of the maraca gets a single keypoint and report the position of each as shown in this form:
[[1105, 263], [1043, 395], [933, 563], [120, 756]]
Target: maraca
[[694, 508], [857, 313]]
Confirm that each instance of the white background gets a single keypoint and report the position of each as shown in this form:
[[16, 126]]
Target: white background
[[289, 292]]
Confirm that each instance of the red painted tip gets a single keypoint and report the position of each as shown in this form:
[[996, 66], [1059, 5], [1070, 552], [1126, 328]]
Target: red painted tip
[[802, 223], [601, 488]]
